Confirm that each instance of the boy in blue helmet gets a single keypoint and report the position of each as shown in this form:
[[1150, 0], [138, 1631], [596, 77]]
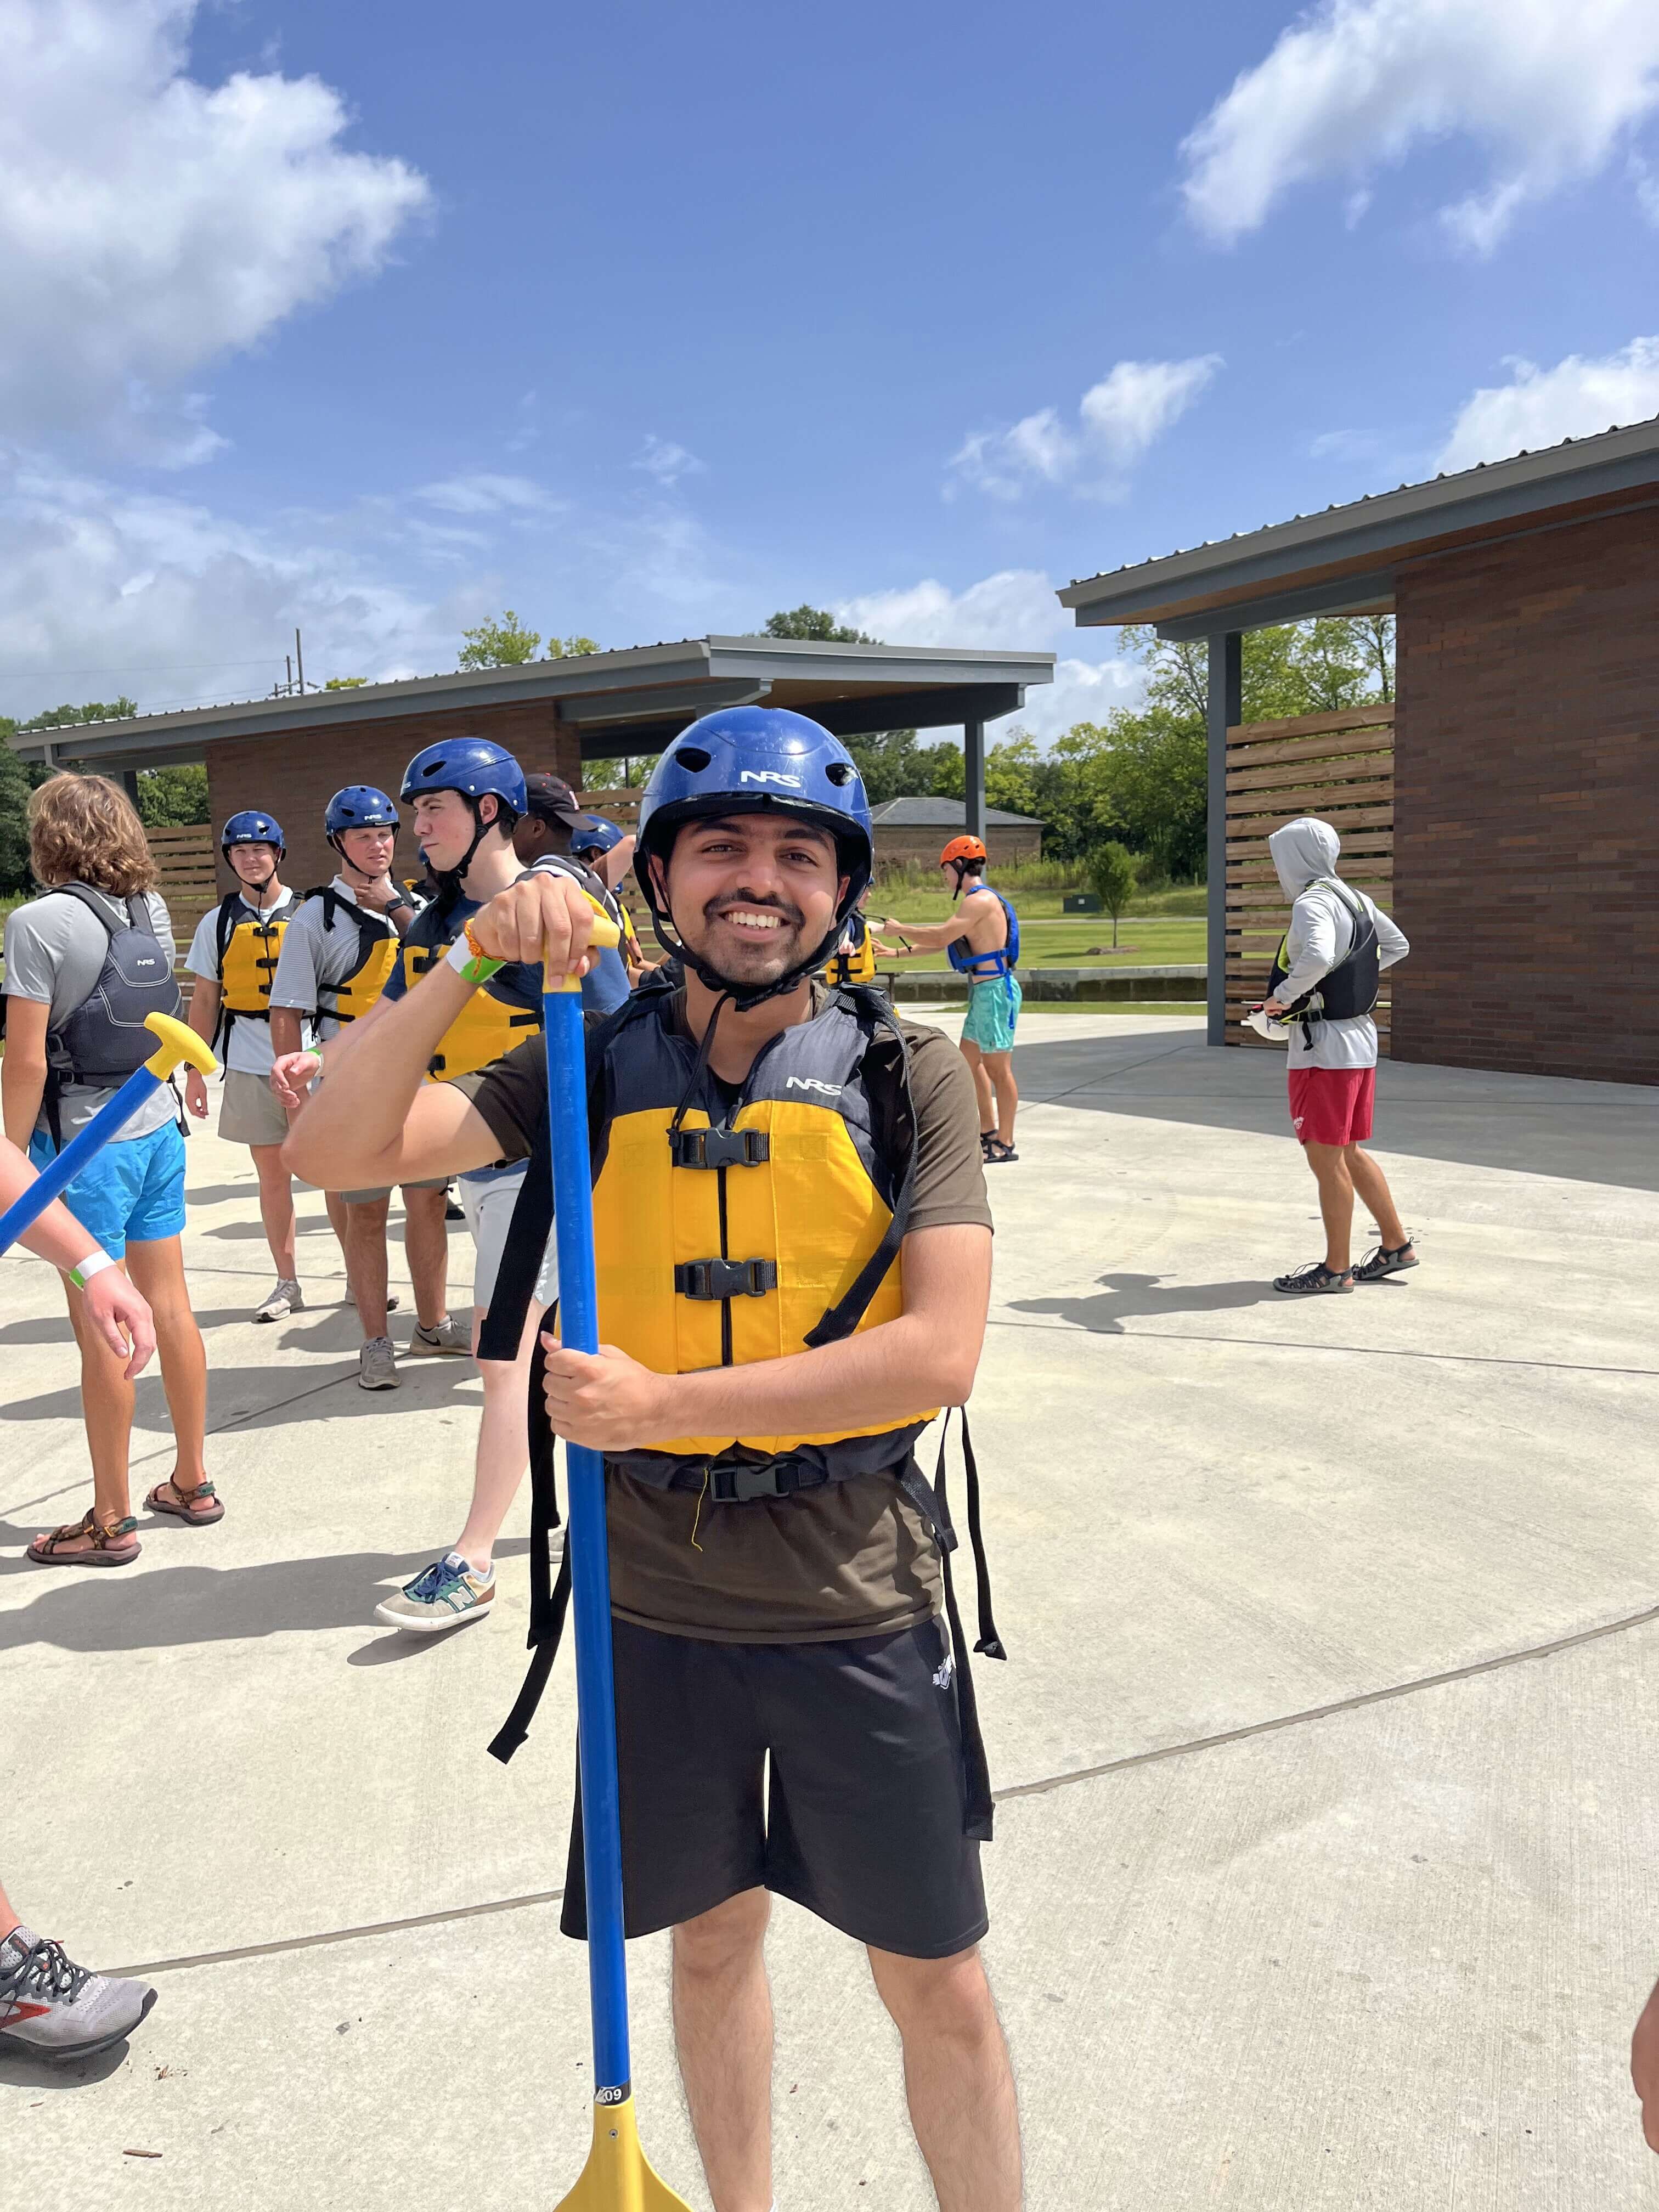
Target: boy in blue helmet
[[339, 949], [793, 1263], [233, 957]]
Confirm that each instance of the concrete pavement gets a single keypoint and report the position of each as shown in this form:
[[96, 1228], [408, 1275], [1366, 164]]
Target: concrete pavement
[[1320, 1881]]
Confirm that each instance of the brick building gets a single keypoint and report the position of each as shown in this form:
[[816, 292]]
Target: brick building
[[919, 829], [1526, 738], [288, 755]]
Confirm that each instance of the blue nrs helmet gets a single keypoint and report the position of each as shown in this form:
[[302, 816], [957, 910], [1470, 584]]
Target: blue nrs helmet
[[472, 766], [251, 826], [359, 806], [753, 760], [595, 835]]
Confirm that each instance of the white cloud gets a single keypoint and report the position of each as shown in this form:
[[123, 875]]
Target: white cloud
[[1538, 407], [1118, 420], [667, 462], [149, 224], [1016, 609], [482, 493], [1549, 88]]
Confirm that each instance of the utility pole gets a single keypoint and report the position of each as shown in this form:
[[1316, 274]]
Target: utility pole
[[299, 656]]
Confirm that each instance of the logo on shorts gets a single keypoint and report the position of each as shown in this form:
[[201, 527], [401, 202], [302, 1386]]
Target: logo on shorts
[[811, 1083], [942, 1675], [1296, 1119], [769, 776]]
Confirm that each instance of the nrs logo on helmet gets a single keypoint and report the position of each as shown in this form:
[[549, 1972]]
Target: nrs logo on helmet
[[769, 776]]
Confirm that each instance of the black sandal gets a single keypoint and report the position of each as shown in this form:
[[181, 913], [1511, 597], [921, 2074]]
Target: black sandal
[[181, 1509], [114, 1547], [997, 1154]]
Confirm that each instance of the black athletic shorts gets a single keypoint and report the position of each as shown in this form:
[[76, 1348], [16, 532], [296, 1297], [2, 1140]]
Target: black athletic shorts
[[860, 1819]]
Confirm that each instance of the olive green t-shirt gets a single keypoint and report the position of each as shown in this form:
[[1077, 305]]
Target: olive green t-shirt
[[851, 1559]]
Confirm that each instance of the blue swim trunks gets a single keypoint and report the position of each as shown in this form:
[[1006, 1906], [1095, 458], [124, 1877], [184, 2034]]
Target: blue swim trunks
[[993, 1011], [129, 1193]]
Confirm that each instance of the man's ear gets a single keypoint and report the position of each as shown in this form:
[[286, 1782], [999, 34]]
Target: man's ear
[[488, 799]]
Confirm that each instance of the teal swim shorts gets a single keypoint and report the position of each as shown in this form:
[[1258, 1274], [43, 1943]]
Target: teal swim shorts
[[993, 1011]]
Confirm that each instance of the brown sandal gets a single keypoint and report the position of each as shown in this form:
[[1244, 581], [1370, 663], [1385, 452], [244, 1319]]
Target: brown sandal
[[114, 1547], [182, 1508]]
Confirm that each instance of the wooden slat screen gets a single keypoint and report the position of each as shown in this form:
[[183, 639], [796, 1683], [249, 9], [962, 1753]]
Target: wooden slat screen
[[1340, 766], [185, 862]]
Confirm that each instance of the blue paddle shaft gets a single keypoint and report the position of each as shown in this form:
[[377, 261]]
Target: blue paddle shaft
[[56, 1177], [590, 1564]]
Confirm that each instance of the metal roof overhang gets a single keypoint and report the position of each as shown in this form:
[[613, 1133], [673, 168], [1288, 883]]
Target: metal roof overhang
[[1345, 561], [633, 701]]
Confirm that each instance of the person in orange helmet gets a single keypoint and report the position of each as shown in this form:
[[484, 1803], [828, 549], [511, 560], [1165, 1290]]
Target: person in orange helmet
[[982, 941]]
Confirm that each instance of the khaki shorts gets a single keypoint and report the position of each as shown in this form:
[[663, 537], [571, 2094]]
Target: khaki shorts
[[249, 1113], [368, 1197]]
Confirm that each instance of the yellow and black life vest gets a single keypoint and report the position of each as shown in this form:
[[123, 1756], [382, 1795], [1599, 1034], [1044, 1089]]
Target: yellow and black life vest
[[500, 1014], [248, 947], [853, 960], [726, 1234], [350, 999]]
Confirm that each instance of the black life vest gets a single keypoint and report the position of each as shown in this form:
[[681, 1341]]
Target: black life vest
[[350, 999], [103, 1041], [1346, 991], [825, 1127]]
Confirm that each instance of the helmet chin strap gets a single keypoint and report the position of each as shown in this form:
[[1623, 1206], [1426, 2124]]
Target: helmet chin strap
[[744, 997]]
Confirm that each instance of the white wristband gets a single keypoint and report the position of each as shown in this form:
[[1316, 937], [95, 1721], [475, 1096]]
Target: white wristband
[[94, 1264]]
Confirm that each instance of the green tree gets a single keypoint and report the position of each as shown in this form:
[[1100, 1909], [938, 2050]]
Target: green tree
[[502, 644], [567, 648], [1112, 873], [171, 798], [816, 624], [17, 778], [95, 710], [348, 682]]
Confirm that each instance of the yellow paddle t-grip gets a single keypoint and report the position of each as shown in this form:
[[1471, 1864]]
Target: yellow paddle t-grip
[[604, 932], [617, 2177], [179, 1043]]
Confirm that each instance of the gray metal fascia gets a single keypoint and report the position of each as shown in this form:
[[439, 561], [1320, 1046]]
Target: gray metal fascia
[[651, 702], [1381, 525], [1350, 595], [810, 659]]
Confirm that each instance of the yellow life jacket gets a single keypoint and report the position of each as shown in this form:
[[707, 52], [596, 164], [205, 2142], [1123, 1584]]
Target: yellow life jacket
[[349, 1000], [248, 950], [500, 1014], [853, 960]]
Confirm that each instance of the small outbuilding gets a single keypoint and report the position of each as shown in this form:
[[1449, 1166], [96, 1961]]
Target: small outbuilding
[[1518, 794], [918, 830]]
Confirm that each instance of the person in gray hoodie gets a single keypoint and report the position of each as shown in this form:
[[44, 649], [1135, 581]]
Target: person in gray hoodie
[[1338, 943]]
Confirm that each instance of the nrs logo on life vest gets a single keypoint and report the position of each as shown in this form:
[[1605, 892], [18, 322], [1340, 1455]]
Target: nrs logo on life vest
[[811, 1083], [769, 776]]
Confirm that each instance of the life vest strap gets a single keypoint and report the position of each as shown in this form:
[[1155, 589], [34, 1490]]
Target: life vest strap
[[549, 1598], [725, 1279], [719, 1148]]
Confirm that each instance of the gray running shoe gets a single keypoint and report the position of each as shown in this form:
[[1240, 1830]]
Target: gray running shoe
[[446, 1592], [377, 1365], [450, 1337], [284, 1300], [52, 2009], [1382, 1261]]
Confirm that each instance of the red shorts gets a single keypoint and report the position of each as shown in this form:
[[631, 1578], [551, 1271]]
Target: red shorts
[[1332, 1105]]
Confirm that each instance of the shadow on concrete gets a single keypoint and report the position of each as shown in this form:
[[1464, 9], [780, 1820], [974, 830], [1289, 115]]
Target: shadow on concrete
[[123, 1610], [19, 2072], [237, 1232], [1599, 1133], [54, 1329], [234, 1393], [1124, 1298]]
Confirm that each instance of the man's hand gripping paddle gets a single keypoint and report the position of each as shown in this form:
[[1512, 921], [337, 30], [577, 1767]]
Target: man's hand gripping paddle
[[177, 1044], [617, 2177]]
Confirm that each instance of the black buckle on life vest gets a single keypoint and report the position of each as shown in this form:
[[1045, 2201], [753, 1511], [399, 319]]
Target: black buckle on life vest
[[725, 1279], [719, 1148], [738, 1482]]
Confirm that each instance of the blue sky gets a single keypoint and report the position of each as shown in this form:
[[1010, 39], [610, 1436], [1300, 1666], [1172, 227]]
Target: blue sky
[[646, 320]]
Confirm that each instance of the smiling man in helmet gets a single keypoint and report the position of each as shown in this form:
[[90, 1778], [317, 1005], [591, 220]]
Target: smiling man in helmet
[[793, 1261]]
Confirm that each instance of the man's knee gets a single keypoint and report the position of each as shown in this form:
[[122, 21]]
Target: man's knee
[[367, 1217], [949, 1997], [268, 1166], [717, 1942]]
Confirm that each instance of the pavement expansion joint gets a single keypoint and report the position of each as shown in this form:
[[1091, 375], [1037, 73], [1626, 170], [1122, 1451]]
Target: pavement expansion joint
[[1294, 1343]]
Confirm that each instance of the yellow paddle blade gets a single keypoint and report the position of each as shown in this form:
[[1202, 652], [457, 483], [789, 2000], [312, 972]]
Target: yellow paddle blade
[[179, 1043], [617, 2177]]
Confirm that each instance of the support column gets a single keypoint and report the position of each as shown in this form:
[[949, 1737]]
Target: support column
[[129, 783], [1225, 708], [973, 757]]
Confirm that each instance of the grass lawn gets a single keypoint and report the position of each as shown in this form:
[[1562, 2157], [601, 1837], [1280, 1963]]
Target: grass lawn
[[1077, 940]]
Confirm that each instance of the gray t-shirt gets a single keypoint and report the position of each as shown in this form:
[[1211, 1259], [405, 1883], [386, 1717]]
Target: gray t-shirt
[[313, 955], [55, 950]]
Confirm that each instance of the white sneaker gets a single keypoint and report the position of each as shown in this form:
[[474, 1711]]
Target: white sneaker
[[284, 1300], [377, 1365], [450, 1337]]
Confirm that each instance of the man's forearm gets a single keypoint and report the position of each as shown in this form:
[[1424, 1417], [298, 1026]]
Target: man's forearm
[[55, 1235], [927, 936], [358, 1112], [893, 1373], [22, 1086], [202, 1012], [285, 1030]]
